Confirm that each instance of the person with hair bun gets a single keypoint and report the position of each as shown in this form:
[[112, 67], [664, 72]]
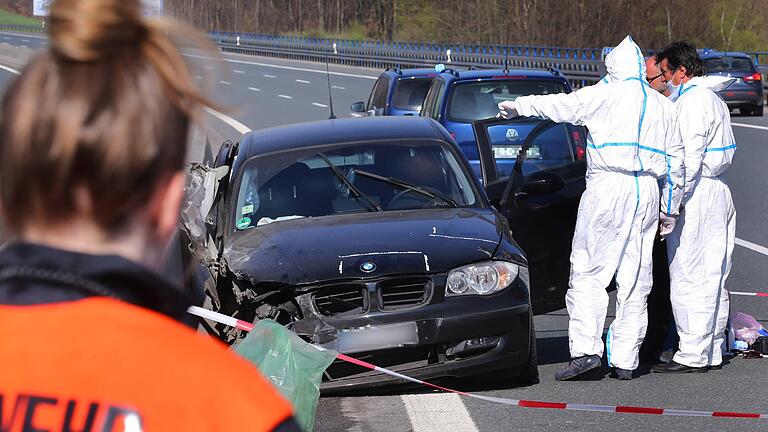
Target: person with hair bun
[[93, 139]]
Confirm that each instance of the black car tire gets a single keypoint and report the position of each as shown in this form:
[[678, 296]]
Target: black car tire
[[758, 112], [529, 372]]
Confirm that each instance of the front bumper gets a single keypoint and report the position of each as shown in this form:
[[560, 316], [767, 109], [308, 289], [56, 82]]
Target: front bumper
[[454, 337]]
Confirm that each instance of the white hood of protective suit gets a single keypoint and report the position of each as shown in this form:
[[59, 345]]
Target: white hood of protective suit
[[714, 82], [625, 61]]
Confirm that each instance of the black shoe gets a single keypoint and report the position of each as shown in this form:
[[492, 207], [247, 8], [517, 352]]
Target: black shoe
[[578, 366], [674, 367], [713, 367], [623, 374]]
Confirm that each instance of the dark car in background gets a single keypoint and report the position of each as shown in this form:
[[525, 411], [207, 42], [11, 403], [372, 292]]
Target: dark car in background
[[746, 93], [373, 237], [396, 92]]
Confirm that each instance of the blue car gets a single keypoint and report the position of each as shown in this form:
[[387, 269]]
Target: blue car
[[457, 98], [397, 92], [746, 93]]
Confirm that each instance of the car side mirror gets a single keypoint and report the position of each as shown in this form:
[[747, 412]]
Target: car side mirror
[[541, 183], [358, 107]]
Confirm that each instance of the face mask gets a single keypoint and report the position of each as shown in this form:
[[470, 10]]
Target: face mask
[[674, 89]]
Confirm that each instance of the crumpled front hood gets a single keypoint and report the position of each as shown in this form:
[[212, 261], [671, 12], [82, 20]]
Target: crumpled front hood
[[625, 61], [309, 250]]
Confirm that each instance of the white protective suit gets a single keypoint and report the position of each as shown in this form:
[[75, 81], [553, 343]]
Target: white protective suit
[[633, 141], [701, 245]]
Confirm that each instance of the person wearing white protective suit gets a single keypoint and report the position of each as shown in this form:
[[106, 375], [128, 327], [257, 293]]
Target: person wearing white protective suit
[[631, 143], [701, 245]]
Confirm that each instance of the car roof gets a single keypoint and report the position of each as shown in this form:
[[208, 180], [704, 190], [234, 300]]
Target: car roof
[[715, 54], [455, 74], [337, 131], [411, 73]]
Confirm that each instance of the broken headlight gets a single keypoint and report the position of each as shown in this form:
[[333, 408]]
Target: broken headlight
[[481, 278]]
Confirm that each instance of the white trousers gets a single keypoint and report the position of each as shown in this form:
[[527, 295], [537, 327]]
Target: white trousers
[[700, 250], [615, 229]]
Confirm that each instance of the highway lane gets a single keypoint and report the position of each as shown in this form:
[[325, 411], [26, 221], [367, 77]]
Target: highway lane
[[288, 92], [23, 40]]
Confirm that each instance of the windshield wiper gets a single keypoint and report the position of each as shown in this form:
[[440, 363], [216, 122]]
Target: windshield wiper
[[355, 191], [405, 185]]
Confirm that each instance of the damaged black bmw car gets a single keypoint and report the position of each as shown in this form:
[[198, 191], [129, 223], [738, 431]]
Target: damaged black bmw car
[[371, 237]]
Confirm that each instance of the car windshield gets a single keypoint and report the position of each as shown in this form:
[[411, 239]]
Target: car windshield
[[472, 101], [409, 93], [350, 178], [729, 64]]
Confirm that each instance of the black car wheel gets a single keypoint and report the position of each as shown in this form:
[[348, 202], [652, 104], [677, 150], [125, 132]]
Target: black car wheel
[[758, 112], [529, 372]]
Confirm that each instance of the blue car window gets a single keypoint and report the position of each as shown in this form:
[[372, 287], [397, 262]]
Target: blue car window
[[552, 149], [409, 93], [470, 101], [378, 99]]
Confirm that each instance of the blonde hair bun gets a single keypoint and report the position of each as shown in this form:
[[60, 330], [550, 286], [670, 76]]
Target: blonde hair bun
[[91, 30]]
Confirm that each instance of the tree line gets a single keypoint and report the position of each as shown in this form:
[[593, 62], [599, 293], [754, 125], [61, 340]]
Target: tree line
[[721, 24]]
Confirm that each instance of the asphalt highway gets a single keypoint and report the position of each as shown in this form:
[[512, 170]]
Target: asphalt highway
[[259, 92]]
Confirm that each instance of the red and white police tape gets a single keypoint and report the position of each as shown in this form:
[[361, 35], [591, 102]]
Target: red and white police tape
[[748, 294], [242, 325]]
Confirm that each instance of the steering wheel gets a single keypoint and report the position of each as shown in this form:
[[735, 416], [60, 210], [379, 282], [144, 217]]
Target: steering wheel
[[419, 200]]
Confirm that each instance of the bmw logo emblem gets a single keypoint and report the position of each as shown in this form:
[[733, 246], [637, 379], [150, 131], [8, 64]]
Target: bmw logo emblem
[[367, 267]]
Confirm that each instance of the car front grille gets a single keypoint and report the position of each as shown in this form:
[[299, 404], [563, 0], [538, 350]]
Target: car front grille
[[404, 293], [350, 299], [347, 299]]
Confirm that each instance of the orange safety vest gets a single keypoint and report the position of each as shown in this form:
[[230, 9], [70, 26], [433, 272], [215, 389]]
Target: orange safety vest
[[99, 364]]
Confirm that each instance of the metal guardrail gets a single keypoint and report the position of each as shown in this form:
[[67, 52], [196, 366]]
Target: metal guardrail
[[579, 71], [582, 66]]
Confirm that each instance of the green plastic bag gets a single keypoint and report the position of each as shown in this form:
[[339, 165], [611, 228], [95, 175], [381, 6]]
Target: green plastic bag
[[293, 366]]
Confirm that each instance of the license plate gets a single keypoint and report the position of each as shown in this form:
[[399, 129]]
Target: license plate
[[511, 152], [371, 338]]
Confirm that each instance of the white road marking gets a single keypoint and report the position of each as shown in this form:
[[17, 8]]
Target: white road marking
[[225, 82], [25, 40], [755, 247], [339, 87], [285, 96], [253, 89], [269, 76], [13, 71], [236, 125], [238, 71], [744, 125], [7, 38], [287, 67], [319, 105], [438, 412], [24, 46], [26, 35], [303, 81]]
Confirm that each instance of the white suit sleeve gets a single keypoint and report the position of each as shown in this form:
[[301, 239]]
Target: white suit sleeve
[[694, 124], [673, 190], [575, 108]]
